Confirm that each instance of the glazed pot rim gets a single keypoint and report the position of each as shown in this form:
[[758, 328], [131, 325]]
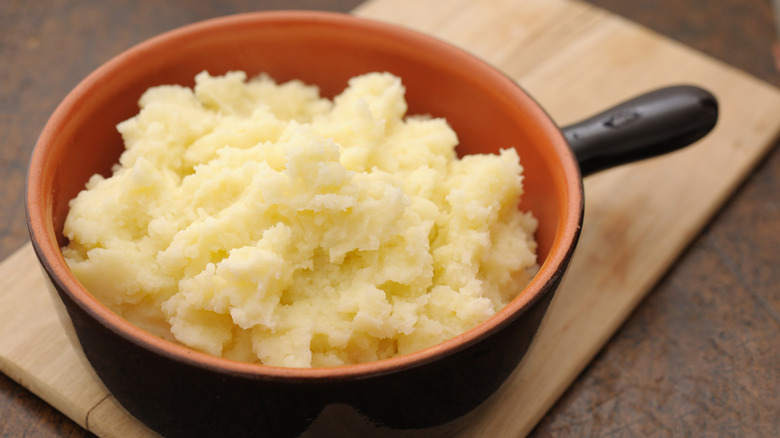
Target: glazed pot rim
[[50, 256]]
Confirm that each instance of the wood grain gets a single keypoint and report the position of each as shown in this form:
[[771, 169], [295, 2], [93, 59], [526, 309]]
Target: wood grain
[[574, 59]]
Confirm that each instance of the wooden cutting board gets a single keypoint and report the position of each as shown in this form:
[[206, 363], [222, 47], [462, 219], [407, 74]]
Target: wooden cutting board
[[575, 60]]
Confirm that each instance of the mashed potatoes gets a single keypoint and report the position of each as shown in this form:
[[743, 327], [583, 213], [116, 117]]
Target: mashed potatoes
[[259, 222]]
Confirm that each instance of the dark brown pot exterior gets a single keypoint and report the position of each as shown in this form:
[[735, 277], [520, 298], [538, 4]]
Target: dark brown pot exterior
[[181, 400]]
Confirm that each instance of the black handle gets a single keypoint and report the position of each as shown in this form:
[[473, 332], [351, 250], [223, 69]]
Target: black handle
[[652, 124]]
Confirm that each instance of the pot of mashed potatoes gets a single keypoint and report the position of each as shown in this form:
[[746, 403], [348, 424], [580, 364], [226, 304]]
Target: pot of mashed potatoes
[[261, 222]]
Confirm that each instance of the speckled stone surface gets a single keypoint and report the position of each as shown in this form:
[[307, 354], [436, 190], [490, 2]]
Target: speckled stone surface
[[699, 357]]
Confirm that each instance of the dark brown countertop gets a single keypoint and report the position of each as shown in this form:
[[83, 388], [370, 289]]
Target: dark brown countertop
[[660, 375]]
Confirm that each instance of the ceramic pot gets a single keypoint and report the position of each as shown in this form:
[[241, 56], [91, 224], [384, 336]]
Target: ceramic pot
[[180, 392]]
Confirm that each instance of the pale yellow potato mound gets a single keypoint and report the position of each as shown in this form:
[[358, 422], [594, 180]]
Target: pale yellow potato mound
[[262, 223]]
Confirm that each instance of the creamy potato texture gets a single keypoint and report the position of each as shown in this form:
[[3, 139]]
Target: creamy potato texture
[[263, 223]]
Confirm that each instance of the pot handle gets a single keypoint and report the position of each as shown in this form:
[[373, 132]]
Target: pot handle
[[646, 126]]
